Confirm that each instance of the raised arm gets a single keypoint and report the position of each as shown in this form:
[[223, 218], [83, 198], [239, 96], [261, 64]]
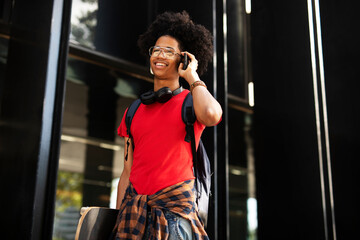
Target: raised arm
[[207, 109]]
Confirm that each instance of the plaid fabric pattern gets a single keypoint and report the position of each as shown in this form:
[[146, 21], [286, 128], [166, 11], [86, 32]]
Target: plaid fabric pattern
[[178, 199]]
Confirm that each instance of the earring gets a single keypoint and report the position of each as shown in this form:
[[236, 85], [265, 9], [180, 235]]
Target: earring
[[151, 71]]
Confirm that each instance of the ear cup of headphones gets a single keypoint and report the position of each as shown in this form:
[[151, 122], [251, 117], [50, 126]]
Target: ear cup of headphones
[[148, 97], [163, 94]]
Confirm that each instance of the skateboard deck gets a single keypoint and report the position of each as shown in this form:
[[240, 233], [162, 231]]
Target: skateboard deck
[[96, 223]]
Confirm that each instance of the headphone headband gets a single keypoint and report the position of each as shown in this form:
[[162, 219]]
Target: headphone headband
[[177, 91]]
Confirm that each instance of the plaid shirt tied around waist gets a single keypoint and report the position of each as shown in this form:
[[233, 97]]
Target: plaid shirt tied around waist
[[178, 199]]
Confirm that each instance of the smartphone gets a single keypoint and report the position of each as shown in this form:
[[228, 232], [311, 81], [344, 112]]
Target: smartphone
[[185, 61]]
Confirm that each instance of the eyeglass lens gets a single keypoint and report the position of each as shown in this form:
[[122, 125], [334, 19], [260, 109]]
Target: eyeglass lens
[[155, 51]]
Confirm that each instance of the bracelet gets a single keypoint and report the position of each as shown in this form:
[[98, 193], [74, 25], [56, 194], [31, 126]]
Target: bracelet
[[197, 83]]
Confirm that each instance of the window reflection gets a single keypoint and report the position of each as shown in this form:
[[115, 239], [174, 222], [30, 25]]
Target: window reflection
[[91, 153], [242, 199], [68, 203], [83, 22]]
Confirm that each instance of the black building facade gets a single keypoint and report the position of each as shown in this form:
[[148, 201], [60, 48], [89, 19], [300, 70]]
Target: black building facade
[[284, 155]]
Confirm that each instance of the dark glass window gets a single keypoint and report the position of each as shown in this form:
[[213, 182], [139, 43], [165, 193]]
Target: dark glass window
[[3, 60], [242, 199]]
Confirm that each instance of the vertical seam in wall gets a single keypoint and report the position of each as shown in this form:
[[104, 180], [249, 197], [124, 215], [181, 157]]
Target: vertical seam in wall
[[226, 118], [215, 127], [324, 104], [317, 112]]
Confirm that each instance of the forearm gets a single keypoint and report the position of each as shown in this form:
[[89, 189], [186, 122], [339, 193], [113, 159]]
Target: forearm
[[207, 109], [123, 184], [125, 175]]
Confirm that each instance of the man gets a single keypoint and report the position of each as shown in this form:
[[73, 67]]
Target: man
[[155, 191]]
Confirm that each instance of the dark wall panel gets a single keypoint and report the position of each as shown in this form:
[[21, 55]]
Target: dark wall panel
[[287, 169], [341, 62], [288, 178]]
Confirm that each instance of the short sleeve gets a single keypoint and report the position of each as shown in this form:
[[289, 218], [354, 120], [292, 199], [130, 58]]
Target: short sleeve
[[122, 130], [199, 127]]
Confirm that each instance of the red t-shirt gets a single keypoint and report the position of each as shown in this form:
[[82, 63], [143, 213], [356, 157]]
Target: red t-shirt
[[161, 156]]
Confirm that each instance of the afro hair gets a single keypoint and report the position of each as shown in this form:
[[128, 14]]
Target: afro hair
[[193, 38]]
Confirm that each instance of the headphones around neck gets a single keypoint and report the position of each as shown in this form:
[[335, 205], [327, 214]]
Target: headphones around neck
[[162, 95]]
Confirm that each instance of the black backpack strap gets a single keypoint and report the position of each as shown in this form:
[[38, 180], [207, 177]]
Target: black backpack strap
[[189, 118], [128, 120], [130, 114]]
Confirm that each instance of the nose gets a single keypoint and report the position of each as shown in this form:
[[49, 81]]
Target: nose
[[161, 53]]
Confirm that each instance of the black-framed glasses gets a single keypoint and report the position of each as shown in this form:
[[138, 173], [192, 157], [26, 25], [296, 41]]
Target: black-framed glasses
[[168, 52]]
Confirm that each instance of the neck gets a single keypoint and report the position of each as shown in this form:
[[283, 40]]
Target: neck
[[172, 84]]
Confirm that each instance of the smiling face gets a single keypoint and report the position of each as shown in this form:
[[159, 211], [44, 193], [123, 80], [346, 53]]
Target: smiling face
[[162, 66]]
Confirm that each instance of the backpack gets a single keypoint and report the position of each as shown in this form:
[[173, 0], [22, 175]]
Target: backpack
[[201, 163]]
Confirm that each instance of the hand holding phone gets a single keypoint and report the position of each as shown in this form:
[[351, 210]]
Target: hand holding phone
[[185, 61]]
